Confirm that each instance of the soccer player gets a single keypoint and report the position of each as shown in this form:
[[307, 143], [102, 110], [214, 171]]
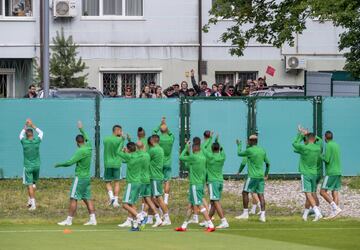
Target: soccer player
[[332, 180], [255, 183], [133, 182], [145, 192], [196, 162], [215, 157], [112, 163], [308, 168], [157, 176], [255, 198], [166, 143], [81, 187], [31, 152], [141, 136]]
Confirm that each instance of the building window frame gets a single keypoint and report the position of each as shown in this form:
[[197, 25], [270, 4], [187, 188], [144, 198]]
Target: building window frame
[[123, 15], [11, 81], [122, 71], [4, 17]]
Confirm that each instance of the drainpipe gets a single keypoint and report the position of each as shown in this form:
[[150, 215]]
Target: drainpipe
[[200, 39], [41, 39]]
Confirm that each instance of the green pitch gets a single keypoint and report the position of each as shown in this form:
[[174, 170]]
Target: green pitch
[[286, 233]]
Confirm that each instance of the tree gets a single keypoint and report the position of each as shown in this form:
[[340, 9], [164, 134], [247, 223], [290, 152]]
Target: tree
[[276, 22], [65, 68]]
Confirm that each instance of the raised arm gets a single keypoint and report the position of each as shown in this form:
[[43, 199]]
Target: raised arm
[[74, 159], [297, 143], [22, 133], [184, 156], [82, 131], [193, 82], [125, 156], [239, 150]]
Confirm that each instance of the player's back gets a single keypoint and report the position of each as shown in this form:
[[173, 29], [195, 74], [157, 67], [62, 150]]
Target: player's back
[[333, 166], [134, 164], [156, 163], [256, 159], [31, 151], [309, 163], [112, 145], [214, 166], [82, 169], [197, 168], [145, 167]]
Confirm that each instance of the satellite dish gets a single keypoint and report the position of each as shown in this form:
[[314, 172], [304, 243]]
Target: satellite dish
[[293, 62]]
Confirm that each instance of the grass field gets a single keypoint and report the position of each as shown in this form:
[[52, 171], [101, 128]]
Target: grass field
[[21, 229]]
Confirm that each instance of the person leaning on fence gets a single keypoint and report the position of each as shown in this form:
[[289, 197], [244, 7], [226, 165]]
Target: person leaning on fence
[[159, 93], [203, 90], [192, 92], [146, 92], [184, 91], [170, 92], [31, 92], [230, 91]]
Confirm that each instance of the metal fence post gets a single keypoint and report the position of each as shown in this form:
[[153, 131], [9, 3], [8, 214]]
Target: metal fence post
[[251, 101], [317, 115], [97, 137]]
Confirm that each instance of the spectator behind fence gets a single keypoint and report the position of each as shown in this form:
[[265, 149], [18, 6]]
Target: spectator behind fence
[[261, 83], [191, 92], [203, 90], [170, 92], [159, 93], [113, 93], [128, 93], [152, 86], [215, 90], [176, 89], [146, 92], [221, 89], [31, 92], [246, 90], [230, 91], [184, 91]]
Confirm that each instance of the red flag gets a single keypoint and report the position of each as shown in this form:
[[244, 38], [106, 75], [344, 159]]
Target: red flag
[[270, 71]]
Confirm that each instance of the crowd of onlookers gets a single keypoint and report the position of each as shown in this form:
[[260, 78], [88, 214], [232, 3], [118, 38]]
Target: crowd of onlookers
[[202, 89]]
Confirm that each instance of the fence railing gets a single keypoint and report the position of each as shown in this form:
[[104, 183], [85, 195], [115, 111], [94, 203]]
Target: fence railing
[[274, 119]]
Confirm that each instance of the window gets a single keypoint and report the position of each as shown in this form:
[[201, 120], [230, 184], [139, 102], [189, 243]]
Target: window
[[135, 80], [234, 78], [120, 8], [16, 8]]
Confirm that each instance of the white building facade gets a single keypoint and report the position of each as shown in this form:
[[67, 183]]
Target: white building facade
[[133, 42]]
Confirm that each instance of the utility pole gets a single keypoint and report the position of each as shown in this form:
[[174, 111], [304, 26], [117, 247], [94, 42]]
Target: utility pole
[[45, 49]]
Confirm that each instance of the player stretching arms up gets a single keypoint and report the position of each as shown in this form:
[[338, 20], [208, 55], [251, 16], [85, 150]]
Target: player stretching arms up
[[166, 143], [308, 168], [215, 157], [112, 163], [332, 180], [133, 182], [81, 188], [255, 183], [31, 151], [156, 175], [196, 162]]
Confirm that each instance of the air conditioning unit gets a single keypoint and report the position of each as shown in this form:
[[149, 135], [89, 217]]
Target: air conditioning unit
[[295, 63], [64, 8]]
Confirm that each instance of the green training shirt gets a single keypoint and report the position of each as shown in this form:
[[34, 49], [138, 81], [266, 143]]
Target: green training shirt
[[256, 157], [166, 143], [31, 152], [196, 164], [156, 163], [112, 145], [145, 167], [309, 156], [82, 158], [134, 163], [332, 159], [214, 164]]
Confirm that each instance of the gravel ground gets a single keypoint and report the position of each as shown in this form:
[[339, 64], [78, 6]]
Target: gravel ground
[[286, 195]]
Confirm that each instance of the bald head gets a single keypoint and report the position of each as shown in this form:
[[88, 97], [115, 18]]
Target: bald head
[[253, 140], [163, 128]]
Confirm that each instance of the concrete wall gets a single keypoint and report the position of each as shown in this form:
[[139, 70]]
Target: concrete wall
[[166, 37]]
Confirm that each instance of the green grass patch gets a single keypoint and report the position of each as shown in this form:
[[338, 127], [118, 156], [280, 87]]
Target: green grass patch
[[354, 182]]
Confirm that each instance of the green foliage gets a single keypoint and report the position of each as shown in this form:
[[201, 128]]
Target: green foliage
[[355, 183], [65, 68], [276, 23]]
